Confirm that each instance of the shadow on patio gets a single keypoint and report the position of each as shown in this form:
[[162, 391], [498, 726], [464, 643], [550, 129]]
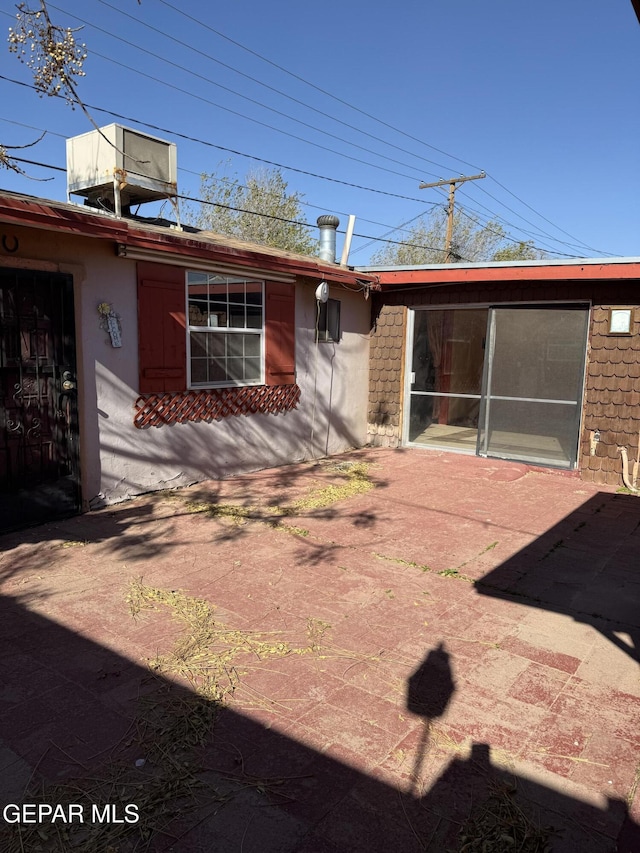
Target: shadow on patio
[[436, 713], [586, 567], [84, 725]]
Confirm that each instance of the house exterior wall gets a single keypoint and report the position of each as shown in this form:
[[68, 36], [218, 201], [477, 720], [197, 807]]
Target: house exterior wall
[[118, 460], [386, 375], [611, 403]]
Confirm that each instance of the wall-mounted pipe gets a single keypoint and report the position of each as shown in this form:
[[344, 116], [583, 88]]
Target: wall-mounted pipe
[[625, 471]]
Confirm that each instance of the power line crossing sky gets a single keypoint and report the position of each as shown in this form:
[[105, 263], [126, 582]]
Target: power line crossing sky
[[359, 102]]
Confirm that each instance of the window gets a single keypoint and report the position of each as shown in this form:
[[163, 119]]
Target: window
[[225, 330], [329, 320], [180, 345]]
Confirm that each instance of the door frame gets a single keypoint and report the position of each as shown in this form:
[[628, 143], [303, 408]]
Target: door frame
[[533, 303], [57, 289]]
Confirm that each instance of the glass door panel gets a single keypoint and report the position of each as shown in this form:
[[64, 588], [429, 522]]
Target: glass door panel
[[533, 384], [446, 377]]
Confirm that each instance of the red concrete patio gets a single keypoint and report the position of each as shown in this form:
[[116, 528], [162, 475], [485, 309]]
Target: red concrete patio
[[386, 651]]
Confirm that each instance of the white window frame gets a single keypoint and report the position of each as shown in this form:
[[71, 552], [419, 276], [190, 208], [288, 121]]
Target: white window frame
[[225, 330]]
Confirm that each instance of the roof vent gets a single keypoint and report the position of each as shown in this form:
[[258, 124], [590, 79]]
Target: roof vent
[[328, 225], [115, 167]]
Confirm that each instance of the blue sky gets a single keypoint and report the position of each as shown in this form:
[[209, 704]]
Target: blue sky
[[543, 97]]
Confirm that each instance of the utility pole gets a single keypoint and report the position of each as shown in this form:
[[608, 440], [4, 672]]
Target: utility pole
[[453, 186]]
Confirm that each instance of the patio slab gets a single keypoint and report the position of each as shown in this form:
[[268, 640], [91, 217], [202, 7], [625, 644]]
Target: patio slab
[[354, 654]]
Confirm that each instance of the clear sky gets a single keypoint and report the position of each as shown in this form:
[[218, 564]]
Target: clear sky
[[542, 96]]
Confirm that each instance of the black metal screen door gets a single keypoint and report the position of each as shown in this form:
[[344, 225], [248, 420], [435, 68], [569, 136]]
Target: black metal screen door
[[533, 384], [39, 477]]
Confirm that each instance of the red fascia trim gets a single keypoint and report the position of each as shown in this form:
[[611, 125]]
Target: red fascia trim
[[571, 272], [37, 215], [193, 248]]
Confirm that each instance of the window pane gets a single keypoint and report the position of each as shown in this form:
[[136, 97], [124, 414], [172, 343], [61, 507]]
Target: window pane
[[448, 350], [217, 315], [236, 316], [235, 369], [236, 293], [199, 344], [218, 291], [197, 312], [252, 370], [251, 345], [218, 370], [235, 345], [216, 344], [199, 373], [254, 317]]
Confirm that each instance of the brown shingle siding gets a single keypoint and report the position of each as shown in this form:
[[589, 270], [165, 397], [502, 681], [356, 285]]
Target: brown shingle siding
[[386, 374]]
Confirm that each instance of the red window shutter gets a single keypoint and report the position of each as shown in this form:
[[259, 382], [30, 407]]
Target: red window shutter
[[162, 345], [280, 333]]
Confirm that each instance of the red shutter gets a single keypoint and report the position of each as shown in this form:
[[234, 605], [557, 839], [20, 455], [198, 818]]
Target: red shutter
[[162, 344], [280, 334]]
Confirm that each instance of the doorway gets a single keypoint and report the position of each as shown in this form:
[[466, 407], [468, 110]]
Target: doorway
[[39, 469], [501, 382]]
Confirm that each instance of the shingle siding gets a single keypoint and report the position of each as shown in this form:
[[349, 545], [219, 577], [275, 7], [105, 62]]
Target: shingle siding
[[386, 375]]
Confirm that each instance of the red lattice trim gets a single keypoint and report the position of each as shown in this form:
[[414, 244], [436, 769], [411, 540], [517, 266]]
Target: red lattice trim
[[214, 404]]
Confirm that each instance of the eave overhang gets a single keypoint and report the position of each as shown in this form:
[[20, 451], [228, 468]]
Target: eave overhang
[[588, 270], [168, 245]]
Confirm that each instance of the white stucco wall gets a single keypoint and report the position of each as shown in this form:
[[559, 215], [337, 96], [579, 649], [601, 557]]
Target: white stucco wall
[[119, 461]]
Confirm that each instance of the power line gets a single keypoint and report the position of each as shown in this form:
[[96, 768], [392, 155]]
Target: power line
[[199, 174], [329, 94], [201, 23], [253, 120], [243, 210], [257, 81], [227, 150], [524, 219], [578, 241], [538, 234], [239, 95]]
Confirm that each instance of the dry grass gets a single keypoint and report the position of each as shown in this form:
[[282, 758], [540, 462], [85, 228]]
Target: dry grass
[[499, 825], [157, 765], [355, 481]]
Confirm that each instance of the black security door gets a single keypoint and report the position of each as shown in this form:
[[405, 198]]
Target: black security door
[[39, 477]]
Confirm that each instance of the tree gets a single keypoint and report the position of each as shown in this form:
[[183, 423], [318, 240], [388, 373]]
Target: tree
[[54, 57], [262, 210], [425, 242], [522, 251]]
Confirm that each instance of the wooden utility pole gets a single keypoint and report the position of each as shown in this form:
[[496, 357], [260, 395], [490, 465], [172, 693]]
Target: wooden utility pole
[[453, 185]]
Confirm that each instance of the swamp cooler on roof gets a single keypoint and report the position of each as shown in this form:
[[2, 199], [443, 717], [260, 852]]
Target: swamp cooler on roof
[[114, 167]]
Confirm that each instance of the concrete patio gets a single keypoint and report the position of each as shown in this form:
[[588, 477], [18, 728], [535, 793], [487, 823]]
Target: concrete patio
[[384, 651]]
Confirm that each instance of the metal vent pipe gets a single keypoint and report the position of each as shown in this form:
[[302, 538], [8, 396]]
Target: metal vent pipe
[[328, 225]]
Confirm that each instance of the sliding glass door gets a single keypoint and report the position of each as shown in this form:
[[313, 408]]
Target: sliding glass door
[[533, 382], [503, 382]]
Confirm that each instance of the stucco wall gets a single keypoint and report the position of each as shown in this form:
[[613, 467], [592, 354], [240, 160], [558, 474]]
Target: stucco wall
[[118, 460]]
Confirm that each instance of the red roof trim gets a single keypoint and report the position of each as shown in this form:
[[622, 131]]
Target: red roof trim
[[557, 272], [218, 253], [36, 213]]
